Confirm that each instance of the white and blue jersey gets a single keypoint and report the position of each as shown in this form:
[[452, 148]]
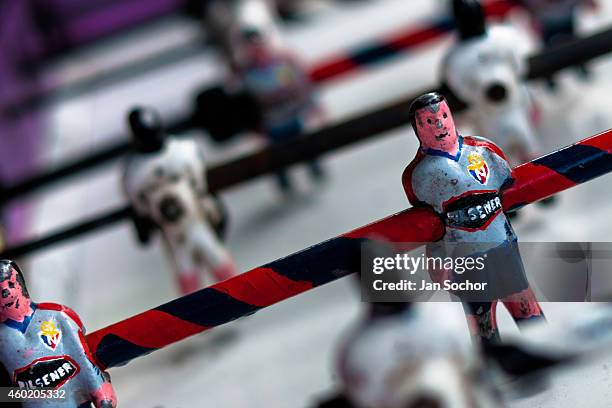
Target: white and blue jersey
[[284, 92], [48, 350], [465, 190]]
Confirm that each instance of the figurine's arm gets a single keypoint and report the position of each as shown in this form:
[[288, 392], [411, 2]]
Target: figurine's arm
[[217, 214], [214, 208], [5, 381], [143, 224], [504, 166], [407, 182], [308, 95], [197, 168], [97, 381]]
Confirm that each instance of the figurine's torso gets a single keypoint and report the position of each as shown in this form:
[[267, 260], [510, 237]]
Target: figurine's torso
[[282, 89], [46, 351], [465, 189], [167, 186]]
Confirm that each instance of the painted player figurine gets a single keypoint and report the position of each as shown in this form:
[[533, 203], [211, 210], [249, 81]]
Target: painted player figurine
[[400, 357], [462, 179], [275, 78], [397, 358], [485, 69], [165, 181], [42, 345]]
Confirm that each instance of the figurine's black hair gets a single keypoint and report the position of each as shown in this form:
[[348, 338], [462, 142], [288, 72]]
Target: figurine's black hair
[[423, 101], [469, 18], [147, 130], [6, 271]]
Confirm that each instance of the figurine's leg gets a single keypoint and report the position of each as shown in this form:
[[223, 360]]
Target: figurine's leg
[[523, 307], [224, 271], [189, 282], [210, 253], [280, 134], [104, 397], [316, 170], [282, 178], [215, 211], [482, 321], [187, 274]]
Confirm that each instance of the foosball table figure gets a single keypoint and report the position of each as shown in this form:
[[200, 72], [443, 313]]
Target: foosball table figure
[[42, 345], [463, 180], [165, 181]]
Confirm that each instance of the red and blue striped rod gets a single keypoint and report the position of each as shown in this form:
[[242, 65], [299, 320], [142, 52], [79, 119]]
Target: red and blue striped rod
[[253, 290], [560, 170], [330, 260], [394, 45]]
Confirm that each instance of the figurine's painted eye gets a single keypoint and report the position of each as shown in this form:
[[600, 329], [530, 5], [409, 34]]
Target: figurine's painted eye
[[429, 121], [444, 115], [11, 285], [5, 293]]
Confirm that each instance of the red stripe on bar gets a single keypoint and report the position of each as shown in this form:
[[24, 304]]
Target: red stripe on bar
[[150, 329], [331, 69], [262, 287], [408, 40], [412, 225]]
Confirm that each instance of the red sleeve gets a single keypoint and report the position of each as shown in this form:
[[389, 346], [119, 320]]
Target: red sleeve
[[407, 180], [65, 309], [482, 142]]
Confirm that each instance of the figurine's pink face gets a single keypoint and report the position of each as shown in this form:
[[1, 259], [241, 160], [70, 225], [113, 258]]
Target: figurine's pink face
[[13, 304], [436, 128], [258, 49]]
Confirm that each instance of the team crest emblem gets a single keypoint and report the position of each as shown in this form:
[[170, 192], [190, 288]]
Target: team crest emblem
[[478, 168], [285, 75], [50, 335]]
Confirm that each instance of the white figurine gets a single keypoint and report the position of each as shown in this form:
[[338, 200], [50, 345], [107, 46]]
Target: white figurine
[[397, 359], [485, 69], [276, 79], [165, 181]]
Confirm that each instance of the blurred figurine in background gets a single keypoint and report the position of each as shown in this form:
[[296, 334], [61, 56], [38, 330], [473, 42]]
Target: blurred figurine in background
[[42, 345], [268, 88], [165, 182], [275, 78], [463, 179], [485, 69], [398, 359], [556, 22]]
